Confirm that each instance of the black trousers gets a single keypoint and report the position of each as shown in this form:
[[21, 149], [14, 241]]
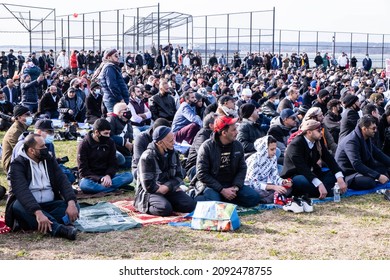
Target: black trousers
[[164, 205], [358, 181]]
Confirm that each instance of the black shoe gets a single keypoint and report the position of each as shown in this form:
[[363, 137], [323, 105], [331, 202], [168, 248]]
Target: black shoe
[[67, 232], [387, 194], [127, 188], [3, 191]]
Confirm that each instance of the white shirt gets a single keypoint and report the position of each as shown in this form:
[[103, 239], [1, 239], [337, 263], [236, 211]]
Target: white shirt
[[316, 182]]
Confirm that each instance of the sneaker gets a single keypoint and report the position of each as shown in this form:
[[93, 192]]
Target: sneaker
[[280, 199], [294, 205], [66, 232], [127, 188], [307, 204]]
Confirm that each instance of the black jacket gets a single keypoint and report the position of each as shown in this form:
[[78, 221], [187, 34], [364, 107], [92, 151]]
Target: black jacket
[[47, 103], [15, 94], [94, 107], [332, 122], [349, 119], [162, 106], [120, 132], [248, 132], [300, 160], [140, 145], [96, 160], [209, 162], [202, 135], [20, 178], [154, 169], [356, 155]]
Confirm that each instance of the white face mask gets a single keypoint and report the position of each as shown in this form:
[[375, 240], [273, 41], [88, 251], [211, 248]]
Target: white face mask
[[276, 102], [49, 139], [29, 121], [97, 91]]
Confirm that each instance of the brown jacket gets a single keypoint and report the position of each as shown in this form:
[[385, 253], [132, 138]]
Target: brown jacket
[[9, 142]]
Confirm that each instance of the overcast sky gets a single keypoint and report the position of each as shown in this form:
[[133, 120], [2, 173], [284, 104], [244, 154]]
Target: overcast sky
[[330, 15]]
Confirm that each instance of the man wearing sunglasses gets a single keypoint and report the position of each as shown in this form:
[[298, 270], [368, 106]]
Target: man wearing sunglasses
[[362, 162], [301, 163]]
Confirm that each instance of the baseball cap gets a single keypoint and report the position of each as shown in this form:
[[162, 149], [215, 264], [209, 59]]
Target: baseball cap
[[287, 113], [222, 121]]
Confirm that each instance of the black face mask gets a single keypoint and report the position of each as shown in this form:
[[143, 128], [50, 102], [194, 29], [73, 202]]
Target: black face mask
[[43, 154], [103, 139], [127, 115]]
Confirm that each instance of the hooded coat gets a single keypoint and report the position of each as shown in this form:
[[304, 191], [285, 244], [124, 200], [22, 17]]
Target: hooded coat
[[262, 169], [26, 187]]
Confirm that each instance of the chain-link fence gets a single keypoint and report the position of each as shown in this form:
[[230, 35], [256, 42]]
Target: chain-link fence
[[136, 29]]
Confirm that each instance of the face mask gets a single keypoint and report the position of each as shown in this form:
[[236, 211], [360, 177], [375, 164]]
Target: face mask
[[97, 91], [276, 102], [43, 154], [127, 115], [103, 139], [49, 139], [2, 101], [340, 110], [29, 121]]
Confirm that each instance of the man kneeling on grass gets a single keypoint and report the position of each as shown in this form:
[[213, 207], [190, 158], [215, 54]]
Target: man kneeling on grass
[[96, 160], [159, 176], [40, 193]]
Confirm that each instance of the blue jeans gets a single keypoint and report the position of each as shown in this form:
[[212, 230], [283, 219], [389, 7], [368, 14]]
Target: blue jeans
[[138, 129], [119, 180], [31, 107], [246, 197], [53, 210], [124, 162], [109, 105], [69, 174]]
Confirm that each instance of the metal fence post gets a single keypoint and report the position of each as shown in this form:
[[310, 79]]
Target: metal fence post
[[84, 32], [250, 34], [227, 39], [273, 32], [100, 33]]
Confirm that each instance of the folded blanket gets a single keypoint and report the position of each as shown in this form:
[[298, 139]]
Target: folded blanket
[[103, 217]]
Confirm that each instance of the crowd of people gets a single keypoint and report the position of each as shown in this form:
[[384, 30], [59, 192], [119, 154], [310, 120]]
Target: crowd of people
[[260, 129]]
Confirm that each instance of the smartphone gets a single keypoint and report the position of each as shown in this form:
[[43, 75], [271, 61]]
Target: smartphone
[[66, 220]]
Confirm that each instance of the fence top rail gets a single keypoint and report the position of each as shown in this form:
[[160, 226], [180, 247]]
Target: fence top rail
[[236, 13], [107, 11], [23, 6]]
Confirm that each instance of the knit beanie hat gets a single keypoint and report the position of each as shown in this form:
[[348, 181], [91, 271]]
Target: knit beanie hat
[[160, 132], [349, 100], [246, 110]]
